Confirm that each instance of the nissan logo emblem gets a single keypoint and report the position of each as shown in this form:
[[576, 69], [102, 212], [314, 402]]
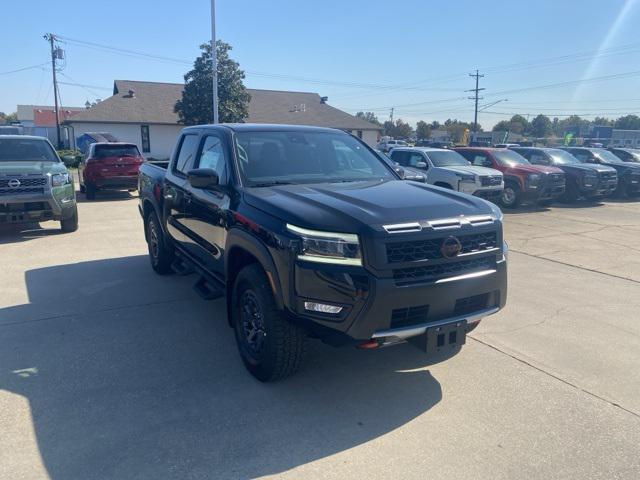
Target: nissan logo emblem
[[451, 247], [14, 183]]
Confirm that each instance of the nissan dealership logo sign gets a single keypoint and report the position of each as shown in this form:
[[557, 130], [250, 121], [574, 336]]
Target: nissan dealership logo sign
[[14, 183]]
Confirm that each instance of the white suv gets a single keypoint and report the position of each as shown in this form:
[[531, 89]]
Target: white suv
[[387, 145], [448, 169]]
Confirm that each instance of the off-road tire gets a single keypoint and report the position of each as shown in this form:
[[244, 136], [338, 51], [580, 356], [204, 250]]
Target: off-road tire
[[510, 201], [283, 343], [70, 224], [160, 254]]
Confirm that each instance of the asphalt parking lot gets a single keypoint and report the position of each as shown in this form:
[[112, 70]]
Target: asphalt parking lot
[[110, 371]]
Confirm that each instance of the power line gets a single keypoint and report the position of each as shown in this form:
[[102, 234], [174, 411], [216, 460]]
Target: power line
[[40, 65]]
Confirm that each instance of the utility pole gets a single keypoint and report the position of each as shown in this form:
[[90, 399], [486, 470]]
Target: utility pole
[[391, 115], [476, 90], [51, 38], [214, 58]]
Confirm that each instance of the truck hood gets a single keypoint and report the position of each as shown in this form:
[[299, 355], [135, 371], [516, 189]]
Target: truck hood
[[350, 207], [472, 169], [525, 169], [31, 168], [586, 168]]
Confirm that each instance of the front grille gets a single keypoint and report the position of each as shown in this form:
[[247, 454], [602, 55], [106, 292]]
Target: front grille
[[555, 179], [491, 181], [471, 304], [21, 191], [23, 207], [430, 273], [24, 182], [406, 317], [429, 249], [607, 175]]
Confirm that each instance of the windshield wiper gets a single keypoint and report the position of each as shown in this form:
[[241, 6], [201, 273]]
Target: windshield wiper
[[271, 184]]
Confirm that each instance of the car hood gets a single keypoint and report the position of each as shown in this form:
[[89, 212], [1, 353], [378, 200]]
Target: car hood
[[351, 207], [524, 169], [31, 168], [626, 167], [586, 168], [471, 169]]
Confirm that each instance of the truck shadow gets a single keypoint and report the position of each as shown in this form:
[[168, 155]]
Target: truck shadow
[[131, 375], [28, 231]]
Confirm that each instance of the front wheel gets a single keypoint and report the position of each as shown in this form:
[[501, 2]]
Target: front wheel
[[270, 346], [510, 196], [70, 224], [160, 255]]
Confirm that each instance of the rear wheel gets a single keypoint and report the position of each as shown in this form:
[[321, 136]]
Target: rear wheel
[[621, 189], [70, 224], [270, 346], [510, 196], [90, 191], [160, 254]]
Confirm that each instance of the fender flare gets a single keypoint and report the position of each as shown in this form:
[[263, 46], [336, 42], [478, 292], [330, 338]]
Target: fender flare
[[252, 245]]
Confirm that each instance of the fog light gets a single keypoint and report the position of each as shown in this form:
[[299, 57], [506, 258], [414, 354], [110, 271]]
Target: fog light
[[322, 307]]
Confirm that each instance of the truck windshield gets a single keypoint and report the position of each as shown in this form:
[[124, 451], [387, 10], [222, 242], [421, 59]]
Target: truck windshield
[[560, 157], [26, 150], [266, 158], [447, 158], [605, 155], [509, 158], [104, 151]]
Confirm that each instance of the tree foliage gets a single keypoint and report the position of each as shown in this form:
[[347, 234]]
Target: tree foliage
[[628, 122], [369, 117], [541, 126], [399, 129], [456, 129], [423, 130], [6, 118], [195, 107]]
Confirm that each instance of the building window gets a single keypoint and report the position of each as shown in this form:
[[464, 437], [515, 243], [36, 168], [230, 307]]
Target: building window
[[146, 142], [359, 133]]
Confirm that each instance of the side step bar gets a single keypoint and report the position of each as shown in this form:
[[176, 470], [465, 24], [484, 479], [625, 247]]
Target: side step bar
[[207, 290], [207, 286], [182, 267]]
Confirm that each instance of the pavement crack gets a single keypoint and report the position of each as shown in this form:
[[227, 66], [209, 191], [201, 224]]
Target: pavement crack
[[556, 377], [575, 266]]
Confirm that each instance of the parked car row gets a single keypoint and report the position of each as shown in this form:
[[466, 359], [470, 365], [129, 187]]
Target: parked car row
[[512, 175]]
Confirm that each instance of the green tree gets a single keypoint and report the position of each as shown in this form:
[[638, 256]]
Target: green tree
[[519, 124], [8, 118], [233, 99], [628, 122], [456, 129], [603, 121], [369, 117], [541, 126], [502, 126], [435, 125], [399, 129], [423, 130], [573, 122]]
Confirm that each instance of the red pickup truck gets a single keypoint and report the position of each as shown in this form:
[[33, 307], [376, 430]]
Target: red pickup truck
[[523, 182], [109, 166]]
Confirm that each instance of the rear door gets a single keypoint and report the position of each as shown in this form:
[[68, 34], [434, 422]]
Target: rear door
[[176, 191], [206, 212]]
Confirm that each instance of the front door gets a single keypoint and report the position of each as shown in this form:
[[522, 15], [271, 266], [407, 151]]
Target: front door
[[206, 213]]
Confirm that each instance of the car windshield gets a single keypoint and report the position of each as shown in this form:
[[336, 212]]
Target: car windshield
[[560, 157], [266, 158], [509, 158], [606, 156], [104, 151], [26, 150], [447, 158], [635, 156]]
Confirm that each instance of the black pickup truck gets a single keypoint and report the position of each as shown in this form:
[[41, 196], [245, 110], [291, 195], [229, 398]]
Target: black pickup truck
[[307, 232]]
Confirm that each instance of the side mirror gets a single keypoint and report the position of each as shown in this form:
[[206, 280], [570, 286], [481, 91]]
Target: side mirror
[[205, 178], [416, 178], [421, 165], [400, 171]]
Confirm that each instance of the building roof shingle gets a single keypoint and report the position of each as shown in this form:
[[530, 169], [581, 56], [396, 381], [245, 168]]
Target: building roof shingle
[[153, 102]]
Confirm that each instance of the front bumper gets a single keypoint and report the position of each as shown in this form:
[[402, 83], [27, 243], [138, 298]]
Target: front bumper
[[54, 204], [375, 307]]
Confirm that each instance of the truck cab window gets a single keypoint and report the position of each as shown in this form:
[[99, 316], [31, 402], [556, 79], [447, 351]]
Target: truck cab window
[[186, 151], [212, 155]]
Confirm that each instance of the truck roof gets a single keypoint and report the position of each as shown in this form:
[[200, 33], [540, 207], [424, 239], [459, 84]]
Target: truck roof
[[422, 149], [265, 127], [23, 137]]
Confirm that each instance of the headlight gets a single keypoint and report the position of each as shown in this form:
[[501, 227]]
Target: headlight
[[328, 247], [60, 179], [533, 180], [466, 177], [496, 213]]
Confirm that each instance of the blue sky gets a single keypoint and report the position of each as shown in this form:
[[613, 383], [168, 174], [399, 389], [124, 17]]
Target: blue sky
[[363, 54]]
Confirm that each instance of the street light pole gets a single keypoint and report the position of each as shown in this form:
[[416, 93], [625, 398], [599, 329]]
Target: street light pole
[[214, 59], [50, 37]]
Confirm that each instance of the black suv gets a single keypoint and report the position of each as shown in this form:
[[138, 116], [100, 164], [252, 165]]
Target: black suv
[[587, 180], [628, 173], [626, 154], [307, 232]]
